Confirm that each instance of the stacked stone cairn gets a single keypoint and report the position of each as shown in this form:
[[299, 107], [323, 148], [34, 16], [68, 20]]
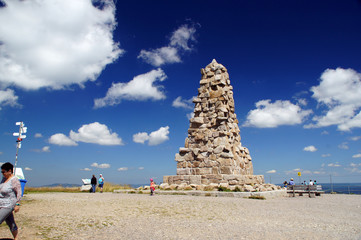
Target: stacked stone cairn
[[213, 155]]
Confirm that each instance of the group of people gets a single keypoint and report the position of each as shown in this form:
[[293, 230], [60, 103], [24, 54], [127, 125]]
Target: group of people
[[10, 195], [291, 182], [314, 182], [94, 182]]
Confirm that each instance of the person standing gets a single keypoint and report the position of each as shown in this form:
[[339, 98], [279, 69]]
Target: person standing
[[101, 183], [152, 187], [311, 183], [291, 182], [10, 196], [93, 183]]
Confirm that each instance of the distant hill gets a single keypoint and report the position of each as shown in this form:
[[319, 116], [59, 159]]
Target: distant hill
[[65, 185]]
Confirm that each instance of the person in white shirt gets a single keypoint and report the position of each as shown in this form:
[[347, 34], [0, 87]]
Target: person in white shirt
[[311, 183]]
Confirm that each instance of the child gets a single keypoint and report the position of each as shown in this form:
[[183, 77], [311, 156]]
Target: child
[[152, 187]]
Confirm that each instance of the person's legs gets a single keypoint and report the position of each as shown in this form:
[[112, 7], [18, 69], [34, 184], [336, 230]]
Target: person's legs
[[4, 213], [94, 187], [15, 234], [10, 221]]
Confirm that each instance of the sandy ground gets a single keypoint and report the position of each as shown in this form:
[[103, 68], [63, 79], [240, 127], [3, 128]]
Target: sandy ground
[[140, 216]]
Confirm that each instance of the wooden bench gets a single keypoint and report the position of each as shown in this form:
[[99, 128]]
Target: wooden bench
[[312, 190]]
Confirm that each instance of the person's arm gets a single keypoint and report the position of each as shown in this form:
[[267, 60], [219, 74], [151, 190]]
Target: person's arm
[[17, 190]]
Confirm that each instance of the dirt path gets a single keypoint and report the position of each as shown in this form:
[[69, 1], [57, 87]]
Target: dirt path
[[139, 216]]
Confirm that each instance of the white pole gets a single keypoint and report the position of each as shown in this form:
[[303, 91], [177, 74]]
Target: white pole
[[19, 139]]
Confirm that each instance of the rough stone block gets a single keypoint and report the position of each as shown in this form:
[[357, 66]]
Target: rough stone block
[[226, 170], [205, 171]]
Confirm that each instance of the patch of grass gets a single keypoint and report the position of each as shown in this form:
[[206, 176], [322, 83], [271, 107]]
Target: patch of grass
[[50, 189], [223, 189], [257, 197], [237, 189], [108, 187], [208, 188]]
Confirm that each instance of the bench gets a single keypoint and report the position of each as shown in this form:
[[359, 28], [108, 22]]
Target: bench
[[312, 190]]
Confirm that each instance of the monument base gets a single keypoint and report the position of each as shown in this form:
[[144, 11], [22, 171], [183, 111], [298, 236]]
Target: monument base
[[214, 178]]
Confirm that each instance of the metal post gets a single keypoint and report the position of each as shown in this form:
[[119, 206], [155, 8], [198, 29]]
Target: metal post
[[16, 158], [17, 147], [22, 130]]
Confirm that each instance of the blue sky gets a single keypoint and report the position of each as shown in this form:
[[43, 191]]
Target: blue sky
[[107, 87]]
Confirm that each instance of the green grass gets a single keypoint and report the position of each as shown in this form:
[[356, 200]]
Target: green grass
[[108, 187], [224, 189]]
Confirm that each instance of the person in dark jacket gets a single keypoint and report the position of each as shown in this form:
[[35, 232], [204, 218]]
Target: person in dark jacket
[[93, 183]]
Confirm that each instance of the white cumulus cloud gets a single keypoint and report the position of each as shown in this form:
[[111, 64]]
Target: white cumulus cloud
[[159, 136], [160, 56], [271, 171], [28, 169], [355, 164], [85, 169], [334, 165], [96, 133], [38, 135], [140, 137], [339, 92], [310, 149], [356, 138], [271, 115], [183, 103], [357, 155], [56, 43], [123, 169], [343, 145], [103, 165], [141, 88], [154, 138], [62, 140], [7, 97], [45, 149], [180, 41]]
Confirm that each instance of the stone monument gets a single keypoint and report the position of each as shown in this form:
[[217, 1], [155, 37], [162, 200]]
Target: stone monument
[[213, 153]]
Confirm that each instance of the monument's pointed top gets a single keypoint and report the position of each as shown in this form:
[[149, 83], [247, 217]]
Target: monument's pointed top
[[213, 63]]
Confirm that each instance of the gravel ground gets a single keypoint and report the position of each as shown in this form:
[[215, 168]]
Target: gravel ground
[[140, 216]]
